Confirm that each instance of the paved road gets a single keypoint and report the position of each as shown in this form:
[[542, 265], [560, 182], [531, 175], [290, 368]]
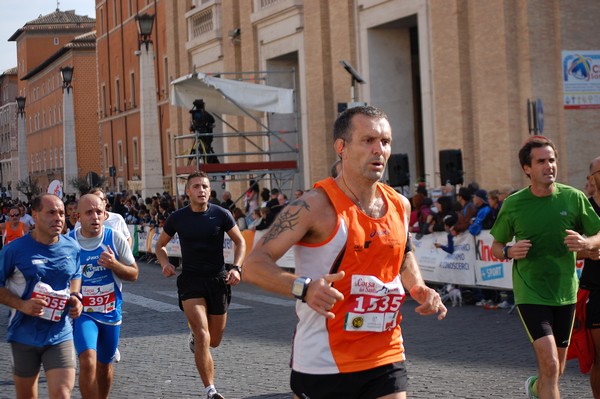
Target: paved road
[[474, 353]]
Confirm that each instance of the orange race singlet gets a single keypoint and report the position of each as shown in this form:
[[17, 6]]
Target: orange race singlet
[[366, 330]]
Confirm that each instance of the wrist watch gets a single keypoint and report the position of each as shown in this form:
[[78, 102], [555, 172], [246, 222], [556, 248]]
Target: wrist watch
[[300, 287], [238, 268], [505, 252]]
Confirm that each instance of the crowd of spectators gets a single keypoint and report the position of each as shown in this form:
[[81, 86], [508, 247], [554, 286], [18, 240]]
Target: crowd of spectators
[[260, 207], [472, 209]]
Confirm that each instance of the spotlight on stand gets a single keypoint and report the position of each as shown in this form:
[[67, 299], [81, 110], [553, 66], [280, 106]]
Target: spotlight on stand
[[355, 78]]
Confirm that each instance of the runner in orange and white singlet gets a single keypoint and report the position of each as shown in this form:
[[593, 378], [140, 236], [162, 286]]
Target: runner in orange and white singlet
[[353, 267], [14, 228]]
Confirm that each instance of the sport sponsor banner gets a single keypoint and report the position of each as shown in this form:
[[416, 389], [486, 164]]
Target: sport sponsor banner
[[142, 237], [489, 270], [472, 262], [287, 260], [441, 267], [174, 247], [581, 79], [228, 249]]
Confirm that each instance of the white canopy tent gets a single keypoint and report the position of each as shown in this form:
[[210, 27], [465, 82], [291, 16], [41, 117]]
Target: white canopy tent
[[231, 97]]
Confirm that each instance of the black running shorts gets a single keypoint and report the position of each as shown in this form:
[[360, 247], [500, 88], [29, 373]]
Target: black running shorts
[[214, 290], [592, 310], [543, 320], [367, 384]]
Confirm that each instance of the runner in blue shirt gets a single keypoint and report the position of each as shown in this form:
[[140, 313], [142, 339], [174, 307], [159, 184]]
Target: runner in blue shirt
[[40, 279], [106, 260]]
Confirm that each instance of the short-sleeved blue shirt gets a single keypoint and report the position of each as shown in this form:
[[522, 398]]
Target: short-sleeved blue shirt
[[23, 264]]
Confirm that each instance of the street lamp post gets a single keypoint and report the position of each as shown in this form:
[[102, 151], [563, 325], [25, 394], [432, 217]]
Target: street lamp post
[[23, 172], [151, 174], [69, 142]]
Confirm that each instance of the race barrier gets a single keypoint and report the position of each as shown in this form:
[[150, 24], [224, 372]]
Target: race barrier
[[471, 264]]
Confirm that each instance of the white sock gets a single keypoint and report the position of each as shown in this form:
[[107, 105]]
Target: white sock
[[210, 389]]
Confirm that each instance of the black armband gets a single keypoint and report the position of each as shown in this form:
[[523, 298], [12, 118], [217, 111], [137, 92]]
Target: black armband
[[409, 246]]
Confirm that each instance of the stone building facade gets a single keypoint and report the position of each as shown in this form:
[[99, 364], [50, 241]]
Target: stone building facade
[[452, 74]]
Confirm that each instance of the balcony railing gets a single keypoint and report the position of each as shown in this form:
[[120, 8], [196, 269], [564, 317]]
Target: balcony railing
[[201, 22], [204, 20]]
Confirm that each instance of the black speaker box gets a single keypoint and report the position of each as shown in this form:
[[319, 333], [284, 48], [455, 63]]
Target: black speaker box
[[398, 170], [451, 169]]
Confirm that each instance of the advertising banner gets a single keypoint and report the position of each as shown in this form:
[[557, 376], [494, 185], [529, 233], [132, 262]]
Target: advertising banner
[[581, 79]]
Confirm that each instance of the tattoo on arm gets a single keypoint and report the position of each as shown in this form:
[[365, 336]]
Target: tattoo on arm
[[286, 220]]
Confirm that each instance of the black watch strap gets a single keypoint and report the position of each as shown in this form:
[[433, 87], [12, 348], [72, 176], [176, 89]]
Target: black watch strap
[[505, 252]]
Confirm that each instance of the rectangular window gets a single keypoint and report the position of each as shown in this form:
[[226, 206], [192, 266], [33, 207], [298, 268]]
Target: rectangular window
[[106, 159], [115, 20], [132, 90], [136, 164], [103, 101], [169, 147], [56, 41], [120, 154], [167, 80], [101, 20], [117, 95]]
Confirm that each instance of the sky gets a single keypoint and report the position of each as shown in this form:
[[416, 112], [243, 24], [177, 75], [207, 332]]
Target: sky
[[16, 13]]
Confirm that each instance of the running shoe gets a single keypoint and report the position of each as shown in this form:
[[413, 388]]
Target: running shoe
[[529, 387], [191, 339], [214, 395]]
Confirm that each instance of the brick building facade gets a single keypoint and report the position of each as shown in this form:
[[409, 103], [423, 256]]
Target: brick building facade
[[119, 84], [44, 46], [452, 74], [8, 132]]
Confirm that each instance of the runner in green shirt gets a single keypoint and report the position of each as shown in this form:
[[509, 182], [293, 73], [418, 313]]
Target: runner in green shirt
[[550, 222]]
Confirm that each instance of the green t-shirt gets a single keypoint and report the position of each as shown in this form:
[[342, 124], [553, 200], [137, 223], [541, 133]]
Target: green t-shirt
[[547, 276]]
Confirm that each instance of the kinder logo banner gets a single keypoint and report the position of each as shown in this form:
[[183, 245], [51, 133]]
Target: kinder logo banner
[[490, 270]]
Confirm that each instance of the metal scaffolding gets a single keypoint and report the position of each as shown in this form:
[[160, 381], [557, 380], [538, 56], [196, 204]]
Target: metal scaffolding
[[272, 151]]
